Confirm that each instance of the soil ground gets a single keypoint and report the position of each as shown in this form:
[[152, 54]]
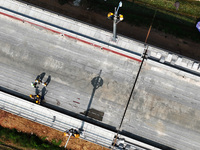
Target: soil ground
[[11, 121], [184, 47]]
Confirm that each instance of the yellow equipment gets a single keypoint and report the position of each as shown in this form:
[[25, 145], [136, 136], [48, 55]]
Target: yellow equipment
[[110, 15], [76, 135], [121, 17], [45, 84], [38, 81]]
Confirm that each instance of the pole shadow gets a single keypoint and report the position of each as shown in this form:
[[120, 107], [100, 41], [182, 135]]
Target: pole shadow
[[96, 82]]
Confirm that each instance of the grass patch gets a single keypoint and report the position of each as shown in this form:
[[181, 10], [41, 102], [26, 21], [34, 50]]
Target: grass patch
[[56, 143], [187, 7], [28, 140]]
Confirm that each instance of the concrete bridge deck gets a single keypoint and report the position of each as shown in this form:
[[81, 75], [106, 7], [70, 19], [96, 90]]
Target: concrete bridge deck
[[165, 104]]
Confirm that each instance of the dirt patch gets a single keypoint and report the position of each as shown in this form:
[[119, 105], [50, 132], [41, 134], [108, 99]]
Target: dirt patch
[[184, 47], [11, 121]]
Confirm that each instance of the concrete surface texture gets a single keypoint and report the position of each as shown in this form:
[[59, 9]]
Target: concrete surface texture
[[165, 106], [89, 81]]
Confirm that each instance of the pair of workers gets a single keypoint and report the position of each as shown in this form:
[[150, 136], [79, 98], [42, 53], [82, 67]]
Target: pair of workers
[[38, 81], [72, 132], [37, 98]]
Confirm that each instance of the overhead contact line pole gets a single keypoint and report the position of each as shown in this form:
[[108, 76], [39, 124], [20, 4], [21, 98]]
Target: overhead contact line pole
[[143, 58], [116, 19]]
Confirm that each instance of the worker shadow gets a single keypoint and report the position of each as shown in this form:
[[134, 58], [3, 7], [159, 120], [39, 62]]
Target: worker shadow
[[96, 83], [43, 93], [37, 91], [48, 80], [40, 76]]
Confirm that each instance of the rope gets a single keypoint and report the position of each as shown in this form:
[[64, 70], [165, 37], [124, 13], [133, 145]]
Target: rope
[[144, 56]]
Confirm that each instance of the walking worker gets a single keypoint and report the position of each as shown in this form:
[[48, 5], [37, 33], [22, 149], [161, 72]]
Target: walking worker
[[44, 84], [33, 84], [38, 81], [37, 99]]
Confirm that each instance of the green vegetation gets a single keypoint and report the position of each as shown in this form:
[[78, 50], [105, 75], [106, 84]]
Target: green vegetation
[[187, 7], [180, 23], [28, 140]]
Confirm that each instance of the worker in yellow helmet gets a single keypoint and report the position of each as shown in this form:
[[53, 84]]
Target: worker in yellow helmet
[[34, 84], [31, 96], [38, 99], [73, 132], [110, 15], [76, 135]]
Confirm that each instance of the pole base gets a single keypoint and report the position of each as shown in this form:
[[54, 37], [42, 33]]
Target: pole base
[[114, 40]]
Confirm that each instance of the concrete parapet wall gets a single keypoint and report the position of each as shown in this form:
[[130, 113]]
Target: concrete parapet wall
[[174, 60]]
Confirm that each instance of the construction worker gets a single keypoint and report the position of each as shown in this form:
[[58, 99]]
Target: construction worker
[[32, 96], [38, 99], [76, 135], [44, 84], [34, 84], [38, 81], [73, 132]]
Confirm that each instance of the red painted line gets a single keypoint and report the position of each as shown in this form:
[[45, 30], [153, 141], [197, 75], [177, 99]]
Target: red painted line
[[11, 16], [121, 54], [69, 36], [97, 46], [76, 102], [84, 41]]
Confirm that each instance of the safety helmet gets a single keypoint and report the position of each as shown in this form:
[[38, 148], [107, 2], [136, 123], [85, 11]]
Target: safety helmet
[[121, 17], [31, 96], [36, 101], [76, 135], [38, 96], [110, 14]]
